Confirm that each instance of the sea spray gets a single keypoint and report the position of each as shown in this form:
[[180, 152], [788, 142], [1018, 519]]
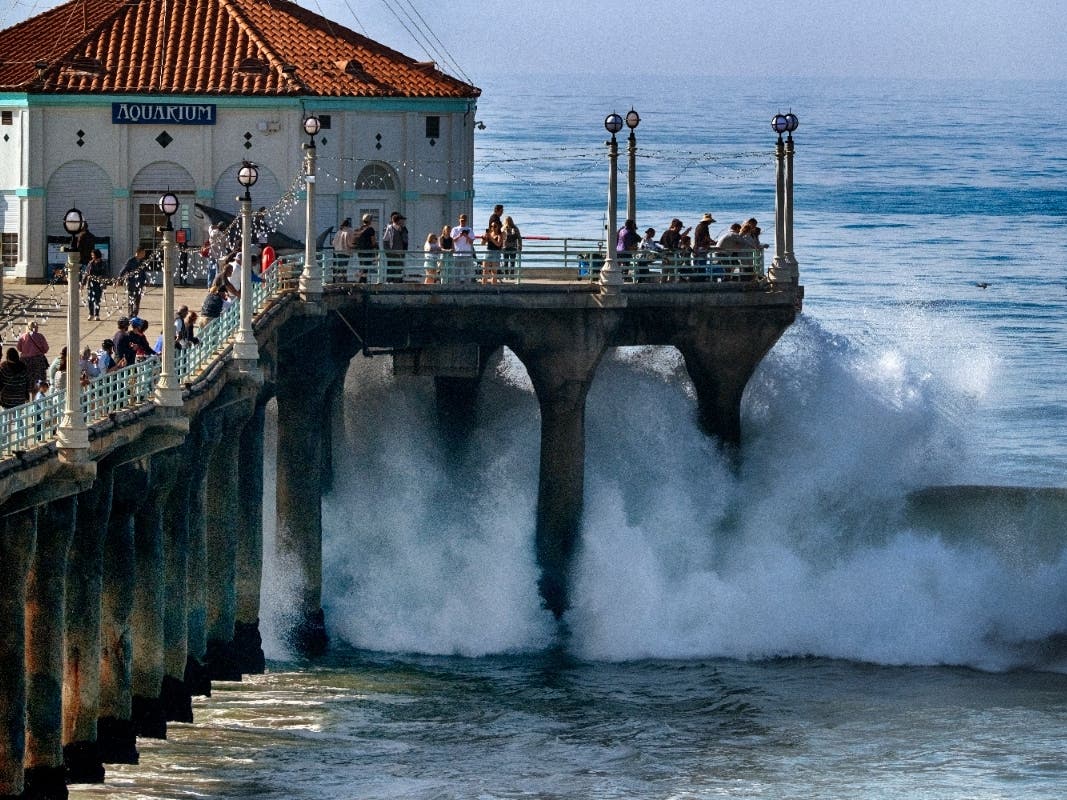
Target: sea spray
[[804, 549]]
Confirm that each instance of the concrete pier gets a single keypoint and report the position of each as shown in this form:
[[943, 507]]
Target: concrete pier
[[133, 578]]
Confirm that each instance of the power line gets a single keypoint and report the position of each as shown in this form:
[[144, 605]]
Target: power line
[[448, 60], [416, 30]]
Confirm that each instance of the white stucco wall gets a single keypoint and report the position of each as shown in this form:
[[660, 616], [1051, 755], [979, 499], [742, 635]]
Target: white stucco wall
[[433, 182]]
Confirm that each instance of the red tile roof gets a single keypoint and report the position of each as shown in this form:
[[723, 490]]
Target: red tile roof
[[214, 47]]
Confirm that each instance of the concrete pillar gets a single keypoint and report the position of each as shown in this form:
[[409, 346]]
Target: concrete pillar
[[148, 599], [174, 693], [247, 642], [721, 353], [221, 529], [207, 428], [334, 405], [115, 731], [561, 373], [45, 611], [302, 407], [454, 401], [17, 544], [81, 681]]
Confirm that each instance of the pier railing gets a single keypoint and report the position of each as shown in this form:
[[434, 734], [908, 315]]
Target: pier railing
[[547, 260], [540, 261]]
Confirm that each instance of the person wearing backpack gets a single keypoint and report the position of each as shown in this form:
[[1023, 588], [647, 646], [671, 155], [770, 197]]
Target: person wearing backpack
[[395, 244]]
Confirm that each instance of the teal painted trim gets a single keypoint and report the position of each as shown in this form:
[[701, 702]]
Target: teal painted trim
[[459, 195], [441, 105], [29, 191], [121, 194], [412, 196], [348, 195], [18, 100], [302, 194], [205, 194]]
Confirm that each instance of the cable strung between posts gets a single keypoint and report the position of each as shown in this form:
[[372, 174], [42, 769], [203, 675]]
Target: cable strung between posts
[[425, 43]]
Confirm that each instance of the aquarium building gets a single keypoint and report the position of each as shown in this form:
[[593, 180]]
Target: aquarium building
[[107, 104]]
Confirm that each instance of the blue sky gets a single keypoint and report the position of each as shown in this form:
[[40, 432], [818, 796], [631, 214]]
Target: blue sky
[[983, 39]]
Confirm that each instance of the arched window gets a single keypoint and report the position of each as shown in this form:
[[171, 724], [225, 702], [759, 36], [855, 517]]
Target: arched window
[[376, 177]]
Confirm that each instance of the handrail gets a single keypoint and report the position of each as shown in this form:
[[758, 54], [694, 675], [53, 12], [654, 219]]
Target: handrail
[[539, 262]]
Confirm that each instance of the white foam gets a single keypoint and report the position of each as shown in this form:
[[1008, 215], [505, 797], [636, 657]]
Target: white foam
[[802, 551]]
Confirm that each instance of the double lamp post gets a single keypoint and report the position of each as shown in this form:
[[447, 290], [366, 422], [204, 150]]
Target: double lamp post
[[72, 434], [611, 273]]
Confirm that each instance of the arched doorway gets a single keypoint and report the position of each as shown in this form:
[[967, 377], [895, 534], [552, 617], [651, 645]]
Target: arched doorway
[[376, 189]]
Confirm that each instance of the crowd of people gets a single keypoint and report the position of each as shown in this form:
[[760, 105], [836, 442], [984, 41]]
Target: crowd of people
[[459, 254], [451, 254], [687, 254], [27, 374]]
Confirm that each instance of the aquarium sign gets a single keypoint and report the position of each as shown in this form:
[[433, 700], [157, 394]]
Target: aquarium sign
[[158, 113]]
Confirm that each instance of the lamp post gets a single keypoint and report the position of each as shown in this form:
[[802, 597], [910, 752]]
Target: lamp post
[[167, 392], [633, 119], [311, 276], [610, 274], [791, 125], [72, 435], [244, 345], [784, 267]]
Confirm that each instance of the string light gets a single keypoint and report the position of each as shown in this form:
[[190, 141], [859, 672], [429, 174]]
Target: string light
[[114, 301]]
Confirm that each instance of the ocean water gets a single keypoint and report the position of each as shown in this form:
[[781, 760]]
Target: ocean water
[[802, 627]]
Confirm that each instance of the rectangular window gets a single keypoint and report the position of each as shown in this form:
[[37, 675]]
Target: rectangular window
[[150, 219], [7, 118], [324, 122], [9, 249], [433, 127]]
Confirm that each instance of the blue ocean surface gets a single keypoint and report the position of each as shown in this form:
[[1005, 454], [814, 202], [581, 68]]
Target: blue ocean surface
[[817, 623]]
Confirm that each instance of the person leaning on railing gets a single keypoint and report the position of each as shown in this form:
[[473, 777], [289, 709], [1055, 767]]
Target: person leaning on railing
[[214, 302], [736, 254]]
